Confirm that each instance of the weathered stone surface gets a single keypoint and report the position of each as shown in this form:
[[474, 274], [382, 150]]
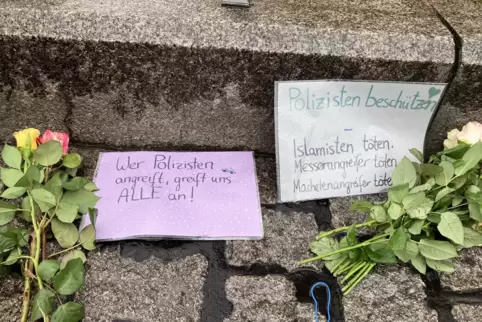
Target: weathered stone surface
[[11, 295], [265, 299], [467, 313], [119, 288], [390, 293], [133, 77], [462, 106], [19, 110], [286, 241], [342, 216], [468, 271]]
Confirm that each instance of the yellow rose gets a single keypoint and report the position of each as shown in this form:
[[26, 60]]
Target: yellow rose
[[23, 137], [471, 133], [451, 140]]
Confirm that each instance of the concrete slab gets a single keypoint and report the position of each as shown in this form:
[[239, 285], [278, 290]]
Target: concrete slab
[[286, 241], [152, 290], [391, 293], [19, 110], [467, 313], [265, 299], [132, 77], [468, 271], [11, 295]]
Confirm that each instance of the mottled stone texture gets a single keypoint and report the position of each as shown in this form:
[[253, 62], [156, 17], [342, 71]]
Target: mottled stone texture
[[11, 291], [152, 290], [265, 299], [285, 242], [463, 102], [199, 75], [467, 313], [468, 271], [390, 293]]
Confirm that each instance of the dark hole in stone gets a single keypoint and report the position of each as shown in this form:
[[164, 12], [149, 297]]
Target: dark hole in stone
[[305, 278]]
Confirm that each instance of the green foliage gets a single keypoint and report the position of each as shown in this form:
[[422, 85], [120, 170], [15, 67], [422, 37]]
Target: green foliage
[[43, 191], [433, 211]]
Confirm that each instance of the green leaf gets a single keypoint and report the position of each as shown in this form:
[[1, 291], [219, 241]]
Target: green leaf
[[450, 226], [93, 216], [92, 187], [82, 198], [378, 213], [458, 182], [409, 252], [76, 183], [13, 257], [441, 266], [474, 210], [42, 303], [443, 178], [69, 312], [395, 211], [67, 212], [7, 212], [413, 200], [422, 210], [417, 154], [44, 199], [457, 200], [48, 268], [10, 177], [87, 237], [472, 238], [72, 161], [437, 249], [433, 217], [416, 226], [13, 193], [474, 193], [12, 157], [66, 234], [398, 240], [7, 242], [431, 169], [71, 278], [72, 255], [419, 263], [396, 193], [424, 187], [361, 206], [26, 205], [380, 255], [404, 173], [32, 175], [417, 205], [442, 193], [49, 153], [470, 159]]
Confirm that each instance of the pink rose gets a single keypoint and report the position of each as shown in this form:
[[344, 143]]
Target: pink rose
[[63, 139]]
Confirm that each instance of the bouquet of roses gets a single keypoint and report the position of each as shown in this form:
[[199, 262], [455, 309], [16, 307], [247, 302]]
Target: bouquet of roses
[[42, 191], [433, 211]]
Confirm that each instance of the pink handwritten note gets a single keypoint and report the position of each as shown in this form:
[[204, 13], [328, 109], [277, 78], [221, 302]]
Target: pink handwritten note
[[189, 195]]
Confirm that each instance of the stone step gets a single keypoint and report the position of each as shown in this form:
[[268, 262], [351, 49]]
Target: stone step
[[195, 74]]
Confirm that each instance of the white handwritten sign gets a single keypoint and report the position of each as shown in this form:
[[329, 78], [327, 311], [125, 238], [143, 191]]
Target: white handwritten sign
[[340, 138]]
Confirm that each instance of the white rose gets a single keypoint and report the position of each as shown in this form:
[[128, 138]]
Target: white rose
[[471, 133], [451, 141]]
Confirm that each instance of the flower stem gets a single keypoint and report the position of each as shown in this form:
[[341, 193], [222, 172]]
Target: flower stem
[[359, 279], [346, 268], [375, 239], [355, 269], [64, 250], [38, 241], [345, 228], [26, 296]]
